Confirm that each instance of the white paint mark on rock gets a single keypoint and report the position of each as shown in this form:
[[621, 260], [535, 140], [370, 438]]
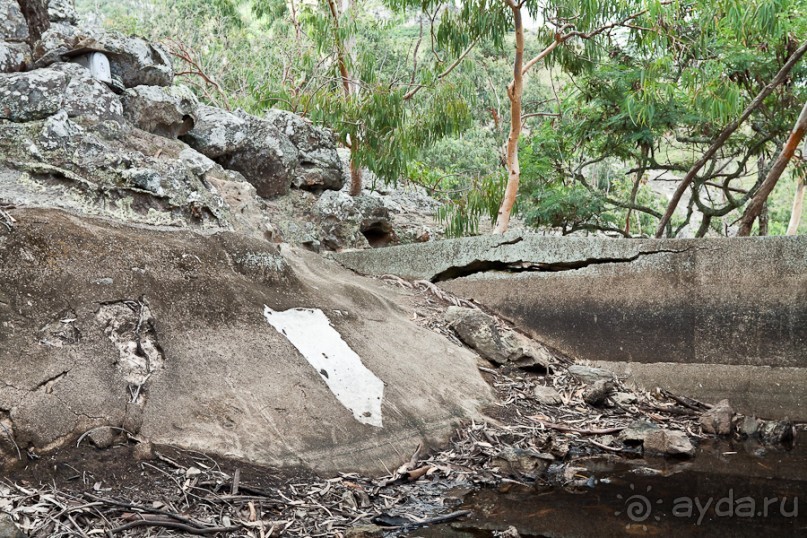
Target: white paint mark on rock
[[311, 332]]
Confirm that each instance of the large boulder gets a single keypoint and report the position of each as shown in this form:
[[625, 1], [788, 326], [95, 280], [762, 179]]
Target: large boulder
[[352, 221], [168, 112], [133, 61], [13, 26], [15, 53], [37, 94], [213, 374], [253, 147], [494, 343], [319, 164]]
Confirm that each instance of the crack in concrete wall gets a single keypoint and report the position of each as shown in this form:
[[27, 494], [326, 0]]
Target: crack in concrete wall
[[519, 266]]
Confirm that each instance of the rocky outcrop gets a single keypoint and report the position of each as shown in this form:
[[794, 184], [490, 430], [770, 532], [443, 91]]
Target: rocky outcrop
[[168, 112], [163, 333], [15, 52], [273, 160], [94, 128]]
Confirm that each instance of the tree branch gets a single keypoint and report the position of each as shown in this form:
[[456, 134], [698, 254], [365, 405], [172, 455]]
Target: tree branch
[[726, 133], [411, 93]]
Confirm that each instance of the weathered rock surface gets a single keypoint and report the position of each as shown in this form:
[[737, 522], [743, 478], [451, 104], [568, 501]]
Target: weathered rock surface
[[319, 164], [108, 169], [14, 56], [13, 26], [15, 53], [546, 395], [352, 221], [719, 419], [168, 112], [500, 346], [35, 95], [132, 60], [62, 11], [590, 374], [229, 383], [265, 154]]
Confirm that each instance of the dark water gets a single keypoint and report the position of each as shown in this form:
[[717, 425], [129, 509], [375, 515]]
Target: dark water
[[739, 489]]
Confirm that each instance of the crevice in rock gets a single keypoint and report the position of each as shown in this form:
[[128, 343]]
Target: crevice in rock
[[47, 385], [130, 326], [515, 241], [520, 266], [379, 233]]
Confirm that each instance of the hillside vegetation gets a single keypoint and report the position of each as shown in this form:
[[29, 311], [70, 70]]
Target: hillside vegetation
[[628, 96]]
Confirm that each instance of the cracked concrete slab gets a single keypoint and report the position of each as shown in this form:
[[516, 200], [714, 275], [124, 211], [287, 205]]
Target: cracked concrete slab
[[508, 253], [739, 302], [227, 382]]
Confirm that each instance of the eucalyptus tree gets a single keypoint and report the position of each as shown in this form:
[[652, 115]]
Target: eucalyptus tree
[[582, 27], [370, 86], [696, 64]]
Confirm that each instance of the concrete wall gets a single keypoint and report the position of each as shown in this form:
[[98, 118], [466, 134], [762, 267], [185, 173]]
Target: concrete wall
[[709, 318]]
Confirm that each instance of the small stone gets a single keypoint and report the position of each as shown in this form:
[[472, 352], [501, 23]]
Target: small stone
[[364, 531], [103, 437], [546, 395], [637, 431], [718, 419], [623, 398], [597, 393], [481, 332], [776, 432], [520, 462], [349, 501], [590, 374], [749, 426], [669, 442], [572, 474], [143, 451], [8, 529]]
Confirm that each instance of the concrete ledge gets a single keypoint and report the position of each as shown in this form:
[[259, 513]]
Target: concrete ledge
[[704, 303], [752, 390]]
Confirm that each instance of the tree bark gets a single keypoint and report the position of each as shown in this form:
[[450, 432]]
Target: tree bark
[[754, 208], [798, 207], [36, 15], [355, 169], [514, 93], [780, 77]]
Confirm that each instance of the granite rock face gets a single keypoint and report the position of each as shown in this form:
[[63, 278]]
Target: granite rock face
[[168, 112], [15, 52], [319, 164]]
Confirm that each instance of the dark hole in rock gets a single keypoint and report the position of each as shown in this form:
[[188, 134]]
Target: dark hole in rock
[[378, 233]]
